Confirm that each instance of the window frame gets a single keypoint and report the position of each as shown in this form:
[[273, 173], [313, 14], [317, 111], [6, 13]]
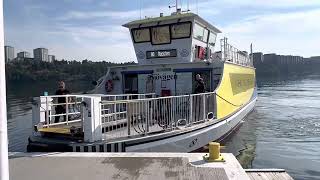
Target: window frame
[[186, 22], [215, 39], [204, 28], [170, 40], [134, 29], [170, 25]]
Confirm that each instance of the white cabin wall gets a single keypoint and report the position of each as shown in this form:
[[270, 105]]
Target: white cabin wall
[[181, 45]]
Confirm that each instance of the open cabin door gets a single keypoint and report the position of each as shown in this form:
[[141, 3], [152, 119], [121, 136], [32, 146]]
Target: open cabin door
[[206, 76], [186, 81], [138, 83], [130, 84]]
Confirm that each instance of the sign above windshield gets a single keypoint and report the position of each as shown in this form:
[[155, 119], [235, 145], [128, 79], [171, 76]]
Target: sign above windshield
[[162, 53]]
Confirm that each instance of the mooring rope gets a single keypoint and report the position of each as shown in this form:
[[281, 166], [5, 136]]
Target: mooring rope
[[228, 101]]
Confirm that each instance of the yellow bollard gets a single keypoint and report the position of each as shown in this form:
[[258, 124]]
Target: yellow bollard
[[214, 153], [214, 150]]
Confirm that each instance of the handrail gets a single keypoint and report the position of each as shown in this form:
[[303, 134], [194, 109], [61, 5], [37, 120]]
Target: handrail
[[124, 117], [93, 95], [164, 97], [234, 55], [152, 115]]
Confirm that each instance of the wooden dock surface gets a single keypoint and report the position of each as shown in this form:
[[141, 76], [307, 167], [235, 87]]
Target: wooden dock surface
[[268, 174]]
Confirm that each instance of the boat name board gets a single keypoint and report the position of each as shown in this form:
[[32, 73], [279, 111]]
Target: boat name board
[[162, 76], [161, 53]]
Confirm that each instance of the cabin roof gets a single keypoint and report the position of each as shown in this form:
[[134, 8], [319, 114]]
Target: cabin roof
[[172, 17]]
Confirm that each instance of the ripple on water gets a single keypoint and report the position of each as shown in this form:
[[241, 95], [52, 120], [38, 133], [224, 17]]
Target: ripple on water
[[284, 130]]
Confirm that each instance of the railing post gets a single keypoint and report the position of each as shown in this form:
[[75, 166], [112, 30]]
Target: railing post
[[114, 108], [128, 117], [67, 111], [82, 107], [47, 112], [92, 119], [191, 109], [147, 115], [204, 106], [170, 112]]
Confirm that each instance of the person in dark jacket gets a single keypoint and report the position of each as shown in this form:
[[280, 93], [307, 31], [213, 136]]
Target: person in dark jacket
[[200, 86], [61, 109]]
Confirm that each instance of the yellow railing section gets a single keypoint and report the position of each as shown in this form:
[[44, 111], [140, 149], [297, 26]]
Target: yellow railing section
[[236, 88]]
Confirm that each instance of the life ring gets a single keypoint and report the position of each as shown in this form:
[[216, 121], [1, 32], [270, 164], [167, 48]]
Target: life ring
[[109, 85]]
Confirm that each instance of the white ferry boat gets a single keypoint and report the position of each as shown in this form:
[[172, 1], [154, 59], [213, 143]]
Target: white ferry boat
[[152, 106]]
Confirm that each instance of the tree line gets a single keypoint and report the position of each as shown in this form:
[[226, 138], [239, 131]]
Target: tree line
[[26, 70]]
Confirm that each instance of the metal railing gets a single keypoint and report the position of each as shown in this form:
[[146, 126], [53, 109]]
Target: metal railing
[[123, 118], [66, 109], [234, 55], [61, 109], [128, 114]]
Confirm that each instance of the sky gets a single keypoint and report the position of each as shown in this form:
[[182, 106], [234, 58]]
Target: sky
[[91, 29]]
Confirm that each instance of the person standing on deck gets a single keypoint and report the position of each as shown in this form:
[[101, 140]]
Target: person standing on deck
[[200, 86], [61, 109]]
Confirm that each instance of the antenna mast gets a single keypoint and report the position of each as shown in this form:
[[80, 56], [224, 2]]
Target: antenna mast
[[197, 7], [176, 5], [188, 5], [140, 8]]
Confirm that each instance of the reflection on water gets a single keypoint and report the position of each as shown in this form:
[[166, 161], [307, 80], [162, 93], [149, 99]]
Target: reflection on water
[[282, 132]]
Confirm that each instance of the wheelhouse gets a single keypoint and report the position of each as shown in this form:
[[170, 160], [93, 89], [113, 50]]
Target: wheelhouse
[[178, 38]]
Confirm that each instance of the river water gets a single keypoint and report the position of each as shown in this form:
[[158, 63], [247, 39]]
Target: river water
[[282, 132]]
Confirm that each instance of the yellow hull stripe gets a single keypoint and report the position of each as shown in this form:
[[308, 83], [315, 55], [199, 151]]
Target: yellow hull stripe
[[236, 89]]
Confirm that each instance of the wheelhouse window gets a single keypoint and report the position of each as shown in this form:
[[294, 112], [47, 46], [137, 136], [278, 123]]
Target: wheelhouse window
[[182, 30], [200, 33], [160, 35], [141, 35], [212, 39]]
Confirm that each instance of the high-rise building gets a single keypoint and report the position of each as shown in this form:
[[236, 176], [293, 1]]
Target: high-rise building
[[51, 58], [40, 54], [257, 58], [8, 53], [22, 55]]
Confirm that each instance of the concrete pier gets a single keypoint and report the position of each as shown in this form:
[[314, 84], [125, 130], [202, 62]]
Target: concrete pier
[[145, 166]]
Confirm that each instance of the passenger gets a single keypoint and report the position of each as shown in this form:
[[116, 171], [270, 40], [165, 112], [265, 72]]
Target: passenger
[[61, 109], [200, 86]]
